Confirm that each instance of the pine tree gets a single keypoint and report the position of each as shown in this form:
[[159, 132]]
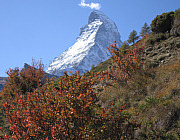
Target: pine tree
[[92, 67], [145, 29], [124, 46], [133, 37]]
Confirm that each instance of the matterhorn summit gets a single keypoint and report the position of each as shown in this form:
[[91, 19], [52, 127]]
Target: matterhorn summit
[[90, 47]]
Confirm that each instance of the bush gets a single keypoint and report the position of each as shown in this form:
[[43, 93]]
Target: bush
[[155, 38], [66, 108], [126, 63], [163, 23]]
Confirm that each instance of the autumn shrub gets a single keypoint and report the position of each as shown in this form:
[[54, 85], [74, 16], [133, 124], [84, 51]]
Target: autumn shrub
[[65, 108], [21, 82], [126, 63]]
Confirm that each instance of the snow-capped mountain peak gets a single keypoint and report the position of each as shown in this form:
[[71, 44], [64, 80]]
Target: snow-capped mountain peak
[[90, 47]]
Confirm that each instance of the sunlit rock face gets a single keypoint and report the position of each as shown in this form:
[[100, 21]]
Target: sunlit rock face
[[90, 47]]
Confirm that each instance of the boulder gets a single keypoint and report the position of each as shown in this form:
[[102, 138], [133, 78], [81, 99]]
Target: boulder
[[175, 31], [163, 56]]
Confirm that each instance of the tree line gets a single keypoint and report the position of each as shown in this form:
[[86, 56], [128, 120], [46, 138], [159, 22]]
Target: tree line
[[133, 37]]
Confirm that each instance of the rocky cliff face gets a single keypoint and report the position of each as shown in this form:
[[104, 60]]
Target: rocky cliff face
[[90, 47], [175, 31], [163, 53]]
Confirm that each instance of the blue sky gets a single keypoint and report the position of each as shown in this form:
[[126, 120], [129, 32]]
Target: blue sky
[[43, 29]]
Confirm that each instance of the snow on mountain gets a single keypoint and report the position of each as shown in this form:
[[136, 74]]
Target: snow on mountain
[[90, 47]]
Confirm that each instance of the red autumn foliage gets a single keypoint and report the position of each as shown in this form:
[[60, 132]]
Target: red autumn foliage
[[67, 108], [126, 62]]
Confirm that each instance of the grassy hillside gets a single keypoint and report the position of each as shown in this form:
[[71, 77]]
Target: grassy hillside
[[153, 93]]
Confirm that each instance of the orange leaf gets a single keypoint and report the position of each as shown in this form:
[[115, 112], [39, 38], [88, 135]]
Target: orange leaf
[[79, 96]]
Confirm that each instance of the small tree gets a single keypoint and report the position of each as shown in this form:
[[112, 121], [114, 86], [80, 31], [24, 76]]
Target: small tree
[[145, 29], [124, 46], [133, 37], [92, 67]]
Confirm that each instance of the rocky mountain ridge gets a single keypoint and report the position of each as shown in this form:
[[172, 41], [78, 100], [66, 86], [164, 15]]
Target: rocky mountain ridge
[[90, 47]]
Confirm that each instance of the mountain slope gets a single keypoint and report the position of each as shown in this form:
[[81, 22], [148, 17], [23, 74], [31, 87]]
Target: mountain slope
[[90, 47], [153, 93]]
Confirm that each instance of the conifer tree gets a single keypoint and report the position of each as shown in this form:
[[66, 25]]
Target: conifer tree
[[124, 46], [92, 66], [145, 29], [133, 37]]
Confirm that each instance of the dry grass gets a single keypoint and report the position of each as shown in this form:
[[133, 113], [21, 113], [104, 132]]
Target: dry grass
[[155, 95]]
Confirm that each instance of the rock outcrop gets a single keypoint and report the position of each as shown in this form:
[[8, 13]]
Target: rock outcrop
[[162, 53]]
